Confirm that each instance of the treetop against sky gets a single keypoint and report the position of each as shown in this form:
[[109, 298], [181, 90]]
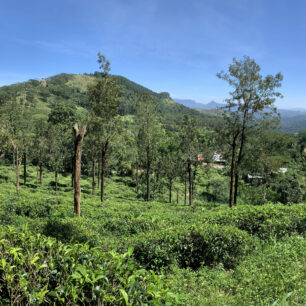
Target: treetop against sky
[[174, 46]]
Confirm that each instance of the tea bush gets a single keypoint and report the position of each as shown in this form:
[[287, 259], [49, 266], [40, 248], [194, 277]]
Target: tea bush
[[35, 269], [194, 246], [273, 275], [208, 254], [263, 221]]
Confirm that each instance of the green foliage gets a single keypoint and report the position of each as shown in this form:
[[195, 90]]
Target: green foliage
[[288, 189], [194, 246], [217, 190], [265, 221], [35, 269], [273, 275], [202, 255]]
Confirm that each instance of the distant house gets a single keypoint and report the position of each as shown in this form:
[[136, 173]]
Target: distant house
[[217, 157], [255, 177], [200, 158], [216, 162]]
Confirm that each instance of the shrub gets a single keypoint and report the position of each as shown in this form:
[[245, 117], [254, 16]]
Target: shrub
[[274, 276], [69, 230], [29, 209], [38, 270], [263, 221], [194, 246], [212, 244]]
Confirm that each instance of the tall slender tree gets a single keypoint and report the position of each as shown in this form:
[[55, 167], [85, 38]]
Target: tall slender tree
[[13, 121], [148, 136], [78, 142], [189, 149], [104, 97], [251, 105]]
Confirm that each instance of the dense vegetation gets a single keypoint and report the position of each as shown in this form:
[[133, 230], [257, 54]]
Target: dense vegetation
[[153, 225], [208, 254]]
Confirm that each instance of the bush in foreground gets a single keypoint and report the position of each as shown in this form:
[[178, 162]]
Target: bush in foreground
[[35, 269]]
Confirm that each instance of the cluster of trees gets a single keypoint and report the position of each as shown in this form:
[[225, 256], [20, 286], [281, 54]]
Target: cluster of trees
[[144, 146]]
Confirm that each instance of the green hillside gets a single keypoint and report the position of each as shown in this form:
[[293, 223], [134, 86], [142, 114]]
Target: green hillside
[[72, 90]]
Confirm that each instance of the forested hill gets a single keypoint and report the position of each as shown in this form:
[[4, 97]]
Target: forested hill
[[71, 89], [291, 121]]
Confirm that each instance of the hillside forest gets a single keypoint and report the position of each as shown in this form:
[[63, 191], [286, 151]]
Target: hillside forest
[[112, 194]]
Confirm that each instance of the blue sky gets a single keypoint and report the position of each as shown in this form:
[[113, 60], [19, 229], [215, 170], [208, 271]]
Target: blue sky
[[166, 45]]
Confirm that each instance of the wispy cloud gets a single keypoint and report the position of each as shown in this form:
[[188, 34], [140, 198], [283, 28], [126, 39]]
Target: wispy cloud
[[69, 47]]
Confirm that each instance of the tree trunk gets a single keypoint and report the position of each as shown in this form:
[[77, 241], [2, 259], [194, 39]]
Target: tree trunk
[[17, 169], [56, 182], [24, 168], [233, 169], [37, 174], [93, 173], [193, 181], [102, 175], [190, 182], [148, 174], [185, 195], [78, 141], [240, 155], [103, 164], [99, 173], [236, 184], [177, 196]]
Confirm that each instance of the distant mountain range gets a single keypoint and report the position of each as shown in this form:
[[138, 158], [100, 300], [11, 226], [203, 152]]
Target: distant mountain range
[[292, 120], [193, 104]]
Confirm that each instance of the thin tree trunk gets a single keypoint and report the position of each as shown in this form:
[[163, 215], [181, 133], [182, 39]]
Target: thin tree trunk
[[190, 183], [233, 170], [14, 163], [37, 174], [102, 175], [17, 169], [93, 173], [193, 181], [56, 182], [240, 155], [78, 141], [103, 164], [99, 173], [185, 195], [148, 174], [24, 168], [236, 184], [177, 196]]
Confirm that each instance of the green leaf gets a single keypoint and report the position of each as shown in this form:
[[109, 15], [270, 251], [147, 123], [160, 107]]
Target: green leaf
[[125, 296]]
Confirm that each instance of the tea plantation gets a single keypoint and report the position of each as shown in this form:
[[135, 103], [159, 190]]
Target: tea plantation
[[129, 252]]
